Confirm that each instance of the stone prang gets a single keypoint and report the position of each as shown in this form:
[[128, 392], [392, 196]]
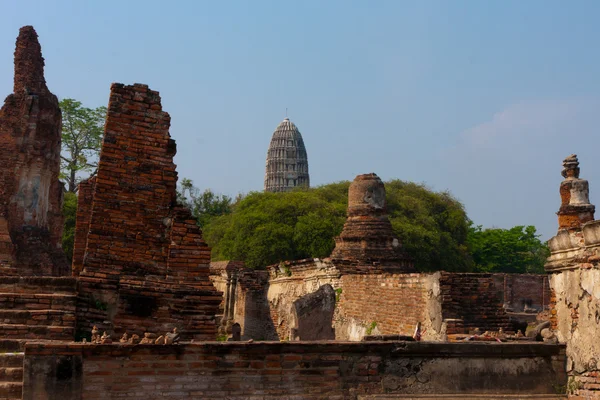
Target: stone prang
[[367, 236], [287, 163], [31, 221]]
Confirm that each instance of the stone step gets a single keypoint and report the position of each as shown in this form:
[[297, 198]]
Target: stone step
[[37, 332], [11, 390], [32, 301], [11, 360], [11, 374], [38, 284], [38, 317]]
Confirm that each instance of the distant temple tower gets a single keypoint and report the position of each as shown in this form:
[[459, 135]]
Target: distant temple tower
[[287, 163]]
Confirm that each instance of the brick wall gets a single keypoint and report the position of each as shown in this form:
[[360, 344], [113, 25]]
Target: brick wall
[[473, 301], [391, 303], [519, 290], [302, 370]]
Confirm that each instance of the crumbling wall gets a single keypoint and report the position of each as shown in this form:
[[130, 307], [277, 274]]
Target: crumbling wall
[[291, 280], [294, 370], [575, 306], [31, 221], [313, 315], [381, 304], [144, 259], [244, 299], [574, 267], [523, 292], [470, 300]]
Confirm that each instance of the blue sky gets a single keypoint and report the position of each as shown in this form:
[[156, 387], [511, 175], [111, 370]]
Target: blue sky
[[481, 98]]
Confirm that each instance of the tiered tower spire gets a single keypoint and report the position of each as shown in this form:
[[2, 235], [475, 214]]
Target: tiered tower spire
[[287, 162]]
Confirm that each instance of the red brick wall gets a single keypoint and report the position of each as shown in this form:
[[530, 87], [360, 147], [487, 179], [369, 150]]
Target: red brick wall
[[301, 370], [395, 302], [135, 187], [473, 299]]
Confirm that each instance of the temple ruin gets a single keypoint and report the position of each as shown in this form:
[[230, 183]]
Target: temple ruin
[[377, 288], [361, 324]]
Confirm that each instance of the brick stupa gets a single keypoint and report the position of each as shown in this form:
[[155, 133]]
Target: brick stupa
[[367, 240], [136, 250], [575, 209], [31, 221]]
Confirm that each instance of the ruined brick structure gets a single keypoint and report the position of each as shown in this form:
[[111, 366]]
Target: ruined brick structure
[[145, 261], [140, 265], [31, 221], [244, 299], [367, 239], [574, 267], [375, 292], [287, 162], [575, 209]]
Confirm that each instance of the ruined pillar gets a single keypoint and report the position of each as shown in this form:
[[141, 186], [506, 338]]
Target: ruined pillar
[[31, 221], [367, 240], [574, 268], [143, 254]]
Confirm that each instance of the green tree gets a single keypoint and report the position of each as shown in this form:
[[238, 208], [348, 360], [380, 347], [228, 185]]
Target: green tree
[[265, 228], [518, 249], [69, 211], [82, 130], [433, 226], [204, 206]]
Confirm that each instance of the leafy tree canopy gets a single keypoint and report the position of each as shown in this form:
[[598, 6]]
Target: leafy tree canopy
[[518, 249], [265, 228], [82, 130], [205, 205]]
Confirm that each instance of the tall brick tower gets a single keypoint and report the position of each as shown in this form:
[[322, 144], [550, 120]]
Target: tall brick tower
[[287, 162], [31, 221]]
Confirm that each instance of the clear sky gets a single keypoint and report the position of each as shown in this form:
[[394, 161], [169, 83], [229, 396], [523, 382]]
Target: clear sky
[[481, 98]]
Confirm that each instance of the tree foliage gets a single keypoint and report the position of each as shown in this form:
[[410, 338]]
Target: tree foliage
[[265, 228], [82, 130], [69, 211], [204, 206], [518, 249]]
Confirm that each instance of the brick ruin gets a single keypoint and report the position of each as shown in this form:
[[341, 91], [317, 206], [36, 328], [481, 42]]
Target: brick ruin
[[140, 265], [367, 242], [574, 268], [377, 290], [137, 252], [31, 221]]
